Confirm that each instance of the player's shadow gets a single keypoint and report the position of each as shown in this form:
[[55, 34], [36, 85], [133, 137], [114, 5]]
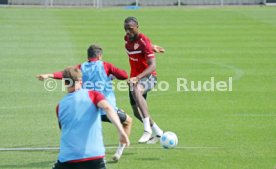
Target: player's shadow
[[41, 164], [110, 161]]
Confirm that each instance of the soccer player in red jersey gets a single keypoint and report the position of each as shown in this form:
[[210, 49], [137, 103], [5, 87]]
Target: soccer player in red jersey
[[143, 77]]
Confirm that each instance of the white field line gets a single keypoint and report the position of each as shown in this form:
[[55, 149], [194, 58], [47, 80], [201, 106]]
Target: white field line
[[253, 115], [108, 147], [238, 72], [25, 106]]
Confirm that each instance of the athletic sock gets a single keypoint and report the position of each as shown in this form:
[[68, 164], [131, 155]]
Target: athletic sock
[[119, 152], [146, 122], [156, 129], [120, 148]]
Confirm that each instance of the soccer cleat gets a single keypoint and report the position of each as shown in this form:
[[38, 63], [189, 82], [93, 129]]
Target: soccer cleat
[[145, 137], [154, 139], [116, 157]]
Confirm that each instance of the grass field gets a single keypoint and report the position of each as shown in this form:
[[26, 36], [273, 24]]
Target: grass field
[[216, 130]]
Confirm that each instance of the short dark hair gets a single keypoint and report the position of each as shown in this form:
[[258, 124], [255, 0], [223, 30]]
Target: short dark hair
[[94, 51], [71, 74], [131, 19]]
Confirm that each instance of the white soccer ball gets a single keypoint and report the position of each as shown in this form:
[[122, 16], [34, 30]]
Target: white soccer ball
[[169, 140]]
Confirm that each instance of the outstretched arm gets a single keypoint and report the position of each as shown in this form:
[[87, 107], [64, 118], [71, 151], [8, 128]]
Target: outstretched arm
[[114, 71], [55, 75], [45, 76], [158, 49]]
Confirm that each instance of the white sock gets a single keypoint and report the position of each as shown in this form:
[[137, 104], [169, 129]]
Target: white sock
[[156, 129], [146, 122], [120, 149]]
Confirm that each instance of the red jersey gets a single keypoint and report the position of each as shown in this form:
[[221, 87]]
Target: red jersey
[[139, 51]]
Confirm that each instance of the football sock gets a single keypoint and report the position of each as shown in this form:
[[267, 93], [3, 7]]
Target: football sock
[[119, 152], [146, 122], [121, 148], [156, 129]]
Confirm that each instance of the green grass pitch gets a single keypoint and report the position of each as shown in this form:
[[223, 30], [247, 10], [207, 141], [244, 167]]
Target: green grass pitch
[[216, 130]]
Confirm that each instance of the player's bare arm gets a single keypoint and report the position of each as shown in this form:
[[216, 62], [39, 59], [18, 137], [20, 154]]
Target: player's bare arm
[[158, 49], [55, 75], [152, 66], [113, 117], [116, 72], [45, 76]]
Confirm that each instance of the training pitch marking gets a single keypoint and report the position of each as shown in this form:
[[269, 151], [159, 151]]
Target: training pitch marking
[[108, 147]]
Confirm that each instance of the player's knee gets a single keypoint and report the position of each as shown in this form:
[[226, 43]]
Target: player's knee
[[137, 90], [129, 120]]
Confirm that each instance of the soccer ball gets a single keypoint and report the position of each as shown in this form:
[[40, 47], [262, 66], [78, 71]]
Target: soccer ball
[[169, 140]]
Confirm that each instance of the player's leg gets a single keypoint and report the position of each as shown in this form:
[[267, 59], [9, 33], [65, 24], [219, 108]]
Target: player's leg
[[126, 122], [138, 91], [134, 107], [157, 132], [154, 137], [136, 110], [120, 149]]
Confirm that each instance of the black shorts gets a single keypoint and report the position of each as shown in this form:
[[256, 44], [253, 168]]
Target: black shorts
[[95, 164], [148, 83], [122, 116]]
